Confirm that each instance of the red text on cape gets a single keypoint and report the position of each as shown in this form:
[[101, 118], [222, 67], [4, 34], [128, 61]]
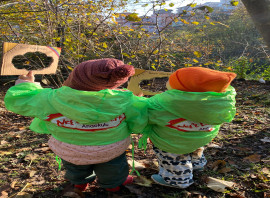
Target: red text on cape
[[65, 122], [184, 125]]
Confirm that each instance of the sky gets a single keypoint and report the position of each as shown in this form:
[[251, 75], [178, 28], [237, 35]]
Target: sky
[[177, 3]]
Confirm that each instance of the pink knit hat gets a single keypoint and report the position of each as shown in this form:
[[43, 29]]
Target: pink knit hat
[[95, 75]]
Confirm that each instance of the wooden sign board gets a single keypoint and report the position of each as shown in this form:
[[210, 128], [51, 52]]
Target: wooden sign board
[[141, 74], [10, 50]]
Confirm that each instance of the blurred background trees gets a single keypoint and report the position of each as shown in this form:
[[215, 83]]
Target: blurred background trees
[[194, 35]]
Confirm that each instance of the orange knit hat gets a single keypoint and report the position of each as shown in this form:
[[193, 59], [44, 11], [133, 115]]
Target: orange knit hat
[[200, 79]]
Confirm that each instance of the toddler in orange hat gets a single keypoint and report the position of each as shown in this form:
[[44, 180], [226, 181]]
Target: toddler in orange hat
[[187, 117]]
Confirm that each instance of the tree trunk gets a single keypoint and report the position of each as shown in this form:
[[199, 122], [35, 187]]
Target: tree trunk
[[259, 10]]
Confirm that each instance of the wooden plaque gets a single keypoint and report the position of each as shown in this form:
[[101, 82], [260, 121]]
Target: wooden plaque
[[141, 74], [10, 50]]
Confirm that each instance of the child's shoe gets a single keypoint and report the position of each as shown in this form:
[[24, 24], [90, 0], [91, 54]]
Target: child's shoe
[[81, 187], [159, 180], [129, 180]]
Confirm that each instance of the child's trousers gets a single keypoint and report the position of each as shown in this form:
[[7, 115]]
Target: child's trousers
[[176, 169], [110, 174]]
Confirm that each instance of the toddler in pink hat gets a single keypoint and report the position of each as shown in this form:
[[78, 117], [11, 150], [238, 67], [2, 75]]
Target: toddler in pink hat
[[89, 120]]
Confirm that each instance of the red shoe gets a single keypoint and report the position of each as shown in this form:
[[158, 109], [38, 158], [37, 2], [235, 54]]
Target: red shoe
[[129, 180], [81, 187]]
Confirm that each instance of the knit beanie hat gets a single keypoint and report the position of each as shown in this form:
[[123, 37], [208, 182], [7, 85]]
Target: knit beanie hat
[[200, 79], [99, 74]]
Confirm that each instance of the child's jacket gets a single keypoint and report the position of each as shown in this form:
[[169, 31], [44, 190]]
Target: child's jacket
[[180, 122], [79, 117]]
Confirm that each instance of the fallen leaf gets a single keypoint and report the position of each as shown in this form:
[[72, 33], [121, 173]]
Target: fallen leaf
[[32, 173], [218, 185], [31, 157], [198, 152], [155, 162], [253, 176], [246, 117], [137, 165], [44, 149], [5, 153], [130, 147], [212, 145], [266, 171], [266, 139], [253, 158], [23, 149], [22, 128], [3, 194], [12, 185], [2, 142], [213, 151], [143, 181], [17, 136], [266, 160], [42, 181], [19, 154], [218, 164]]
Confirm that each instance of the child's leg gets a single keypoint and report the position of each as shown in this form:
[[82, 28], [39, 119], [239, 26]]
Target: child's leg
[[176, 170], [198, 159], [113, 173], [79, 174]]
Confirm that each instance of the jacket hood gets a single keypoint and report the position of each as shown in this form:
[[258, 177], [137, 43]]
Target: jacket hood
[[90, 107], [206, 107]]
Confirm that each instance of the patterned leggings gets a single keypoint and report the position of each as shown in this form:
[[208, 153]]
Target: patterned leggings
[[176, 169]]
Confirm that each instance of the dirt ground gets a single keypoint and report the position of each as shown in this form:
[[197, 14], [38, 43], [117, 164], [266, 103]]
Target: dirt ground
[[240, 154]]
